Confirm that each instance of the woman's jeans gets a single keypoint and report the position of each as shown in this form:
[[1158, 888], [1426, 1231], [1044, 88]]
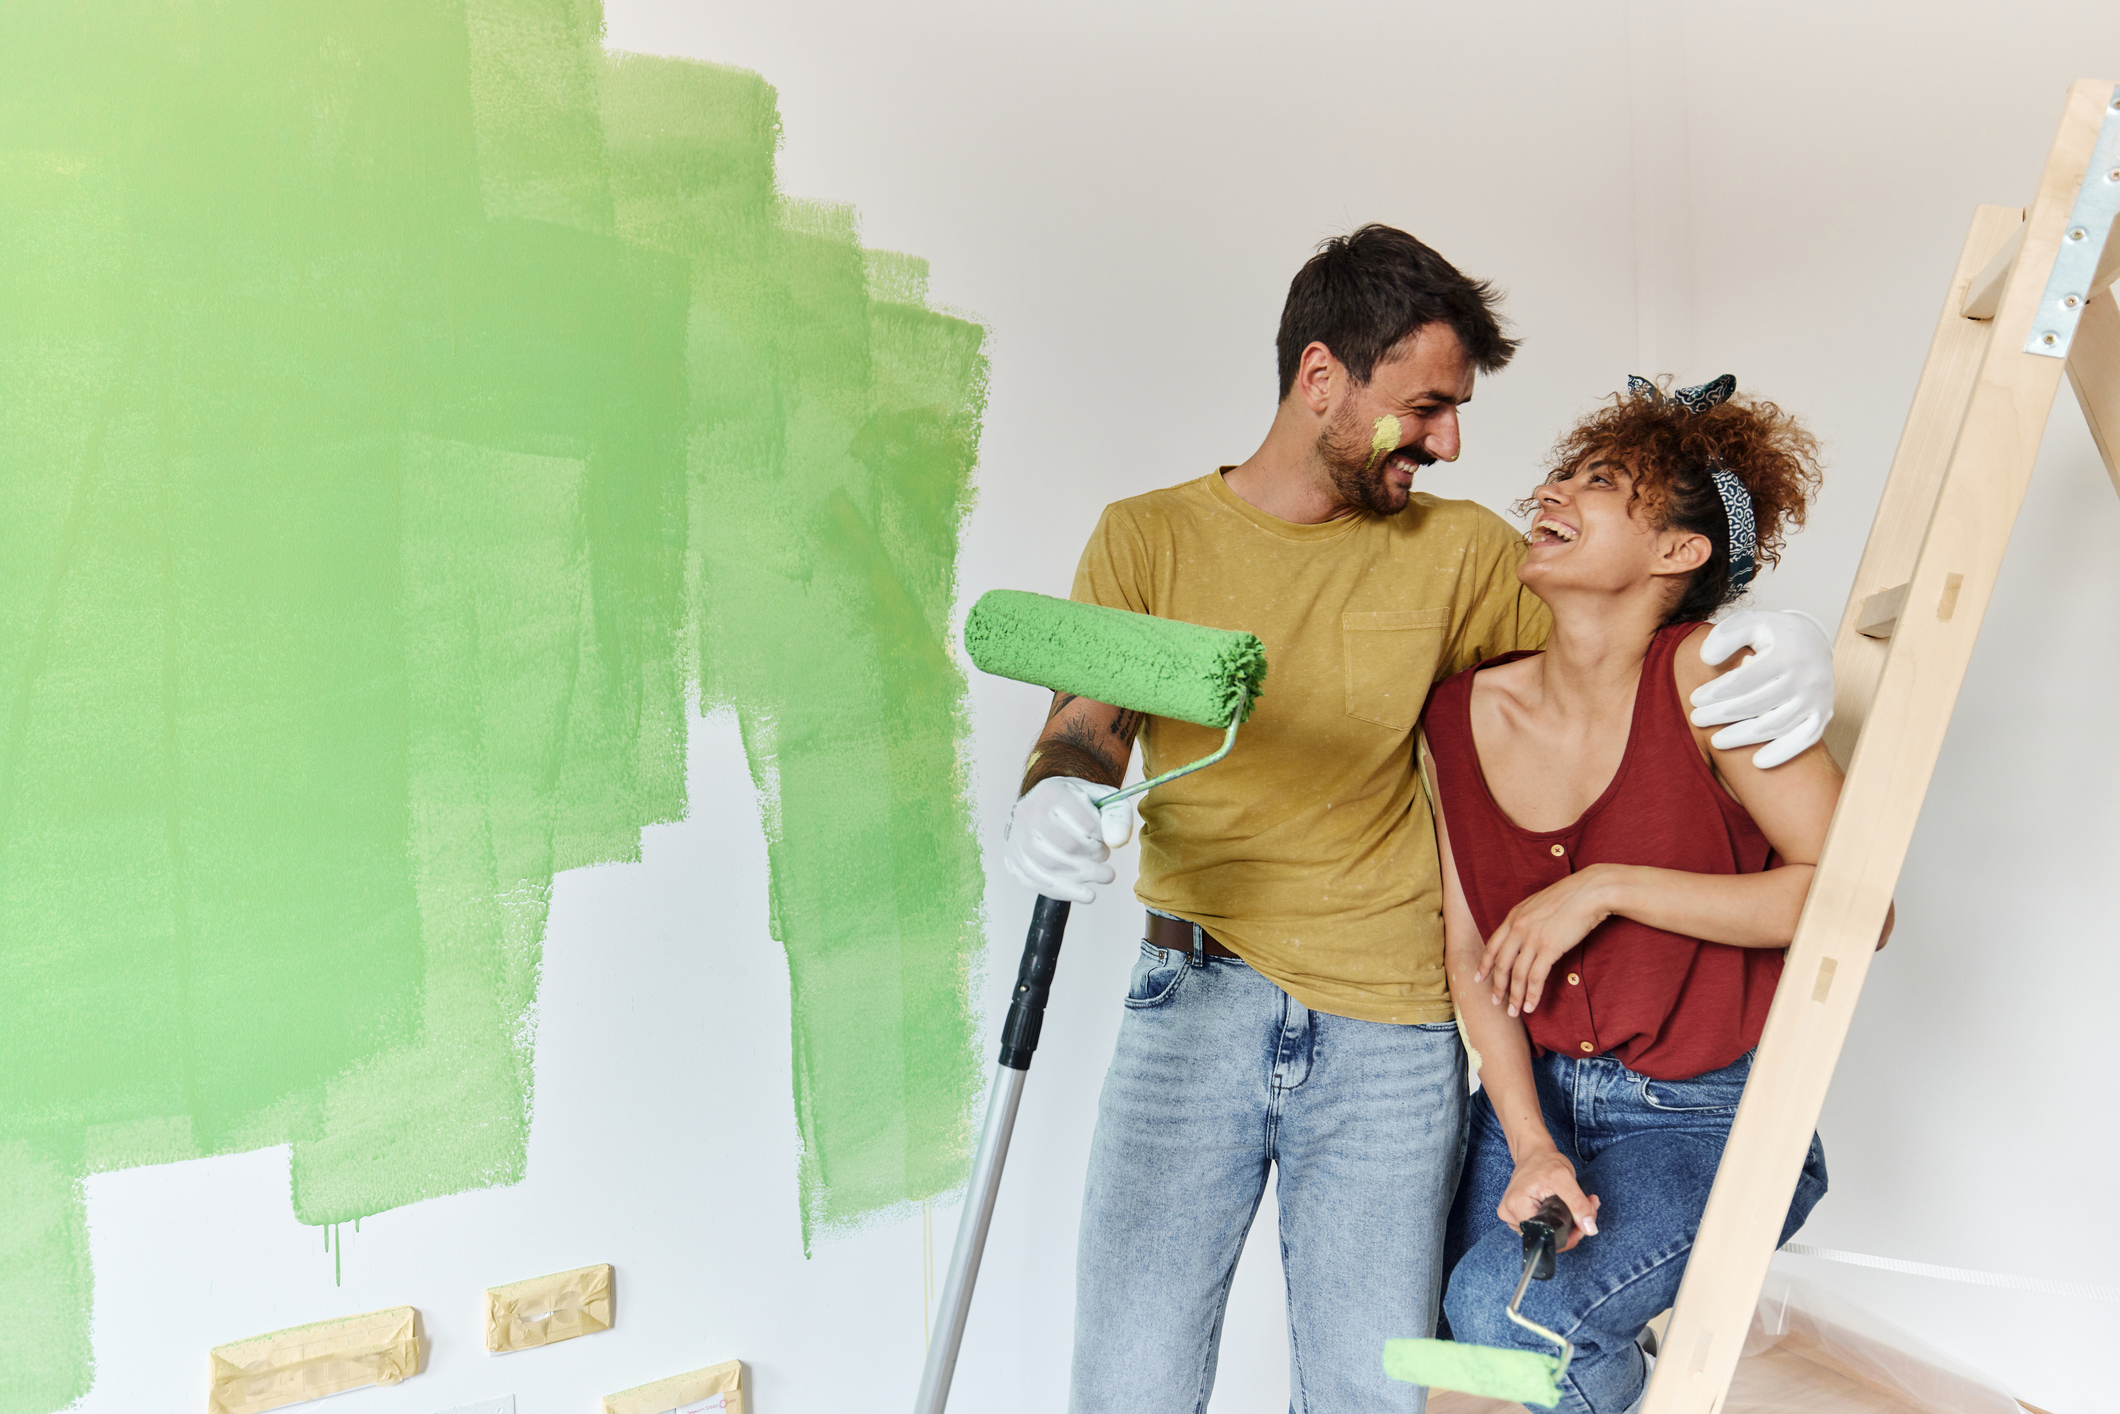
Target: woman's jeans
[[1218, 1074], [1648, 1150]]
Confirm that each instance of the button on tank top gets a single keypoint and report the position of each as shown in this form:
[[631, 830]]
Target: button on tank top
[[1665, 1005]]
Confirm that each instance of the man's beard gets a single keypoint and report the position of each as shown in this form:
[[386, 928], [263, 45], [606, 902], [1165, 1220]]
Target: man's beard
[[1347, 451]]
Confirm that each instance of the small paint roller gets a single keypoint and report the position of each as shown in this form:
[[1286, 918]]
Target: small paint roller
[[1525, 1376], [1161, 667]]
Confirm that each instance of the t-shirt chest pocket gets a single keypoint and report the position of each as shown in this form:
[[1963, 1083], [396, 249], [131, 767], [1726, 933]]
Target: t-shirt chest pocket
[[1391, 662]]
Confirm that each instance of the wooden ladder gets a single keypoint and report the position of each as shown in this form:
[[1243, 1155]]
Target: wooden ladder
[[2032, 296]]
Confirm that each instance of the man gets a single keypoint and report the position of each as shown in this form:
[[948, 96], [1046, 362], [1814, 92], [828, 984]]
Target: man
[[1289, 1007]]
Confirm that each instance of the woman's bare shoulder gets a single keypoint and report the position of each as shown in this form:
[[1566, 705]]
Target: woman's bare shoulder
[[1689, 672]]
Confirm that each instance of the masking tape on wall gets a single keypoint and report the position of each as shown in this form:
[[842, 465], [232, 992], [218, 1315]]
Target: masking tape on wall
[[309, 1362], [684, 1392], [525, 1314]]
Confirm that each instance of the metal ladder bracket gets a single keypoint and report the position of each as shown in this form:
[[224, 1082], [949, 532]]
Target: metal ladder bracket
[[2072, 281]]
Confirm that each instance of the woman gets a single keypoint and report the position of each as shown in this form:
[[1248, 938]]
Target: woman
[[1617, 891]]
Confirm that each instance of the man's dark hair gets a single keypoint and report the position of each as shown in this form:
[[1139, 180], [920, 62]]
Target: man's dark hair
[[1361, 294]]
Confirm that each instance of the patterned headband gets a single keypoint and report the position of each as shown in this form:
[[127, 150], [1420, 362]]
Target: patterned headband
[[1744, 533], [1737, 502]]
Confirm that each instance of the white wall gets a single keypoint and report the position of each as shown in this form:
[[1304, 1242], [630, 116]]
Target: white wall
[[1121, 191]]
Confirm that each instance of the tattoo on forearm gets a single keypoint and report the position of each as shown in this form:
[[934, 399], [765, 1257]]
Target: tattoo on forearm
[[1075, 748]]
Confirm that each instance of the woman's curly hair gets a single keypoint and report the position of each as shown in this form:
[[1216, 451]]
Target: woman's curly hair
[[1670, 450]]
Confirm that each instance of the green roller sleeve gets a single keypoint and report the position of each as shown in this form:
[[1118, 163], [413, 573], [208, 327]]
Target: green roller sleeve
[[1522, 1375], [1163, 667]]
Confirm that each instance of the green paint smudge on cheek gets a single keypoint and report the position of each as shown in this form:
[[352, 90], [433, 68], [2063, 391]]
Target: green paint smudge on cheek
[[1383, 439], [395, 403]]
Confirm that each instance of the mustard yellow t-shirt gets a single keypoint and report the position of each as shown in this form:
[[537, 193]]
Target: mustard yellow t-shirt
[[1310, 851]]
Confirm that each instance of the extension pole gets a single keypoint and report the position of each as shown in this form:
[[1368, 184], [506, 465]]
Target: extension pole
[[1019, 1038]]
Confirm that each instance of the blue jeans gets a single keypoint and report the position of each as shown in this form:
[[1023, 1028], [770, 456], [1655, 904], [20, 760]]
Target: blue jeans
[[1218, 1074], [1648, 1150]]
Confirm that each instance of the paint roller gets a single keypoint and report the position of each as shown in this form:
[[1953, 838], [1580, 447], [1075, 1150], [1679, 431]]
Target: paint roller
[[1526, 1376], [1161, 667]]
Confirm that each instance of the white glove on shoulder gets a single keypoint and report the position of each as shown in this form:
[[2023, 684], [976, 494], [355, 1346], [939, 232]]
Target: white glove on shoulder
[[1782, 696], [1057, 841]]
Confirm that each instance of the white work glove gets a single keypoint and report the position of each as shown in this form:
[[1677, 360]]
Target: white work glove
[[1782, 696], [1057, 841]]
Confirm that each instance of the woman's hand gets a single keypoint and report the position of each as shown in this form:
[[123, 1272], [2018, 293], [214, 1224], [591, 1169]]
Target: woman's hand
[[1540, 930], [1540, 1176]]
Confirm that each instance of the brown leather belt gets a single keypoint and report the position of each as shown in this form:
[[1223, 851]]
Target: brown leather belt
[[1177, 936]]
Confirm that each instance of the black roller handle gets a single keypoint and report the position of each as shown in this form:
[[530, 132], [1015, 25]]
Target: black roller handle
[[1034, 983], [1544, 1232]]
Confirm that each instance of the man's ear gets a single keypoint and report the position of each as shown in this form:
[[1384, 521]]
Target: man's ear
[[1318, 373], [1682, 552]]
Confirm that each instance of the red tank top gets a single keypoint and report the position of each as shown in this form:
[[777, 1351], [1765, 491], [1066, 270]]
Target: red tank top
[[1664, 1005]]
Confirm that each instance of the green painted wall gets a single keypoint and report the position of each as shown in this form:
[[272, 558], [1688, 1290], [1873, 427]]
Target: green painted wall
[[405, 409]]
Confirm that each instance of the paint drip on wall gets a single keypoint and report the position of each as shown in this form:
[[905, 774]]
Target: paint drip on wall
[[404, 408]]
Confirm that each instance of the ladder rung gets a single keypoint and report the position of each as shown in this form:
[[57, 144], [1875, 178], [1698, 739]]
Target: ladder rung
[[1880, 612], [1985, 293]]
